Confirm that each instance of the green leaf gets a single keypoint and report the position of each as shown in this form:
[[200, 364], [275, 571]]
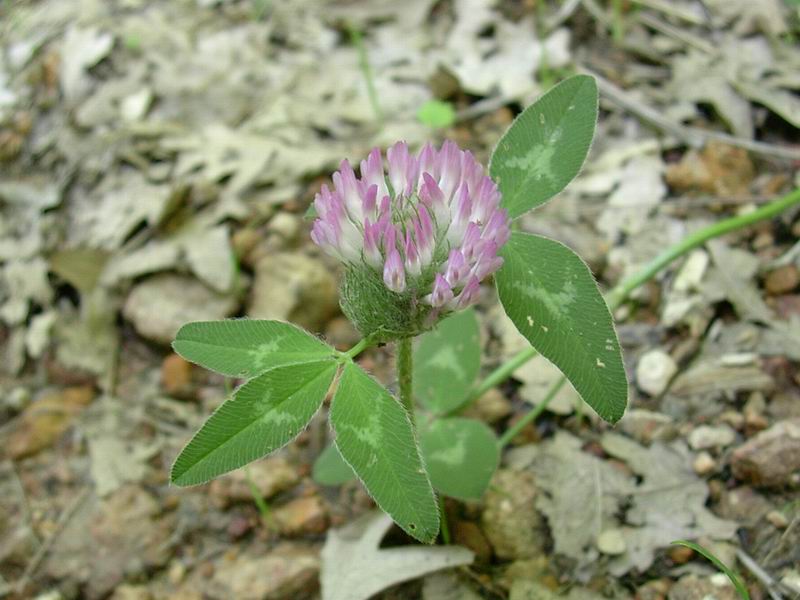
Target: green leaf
[[246, 347], [331, 469], [741, 588], [447, 360], [264, 414], [436, 114], [546, 145], [461, 456], [376, 438], [550, 295]]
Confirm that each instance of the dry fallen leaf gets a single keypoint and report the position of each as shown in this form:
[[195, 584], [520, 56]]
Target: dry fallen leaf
[[354, 568]]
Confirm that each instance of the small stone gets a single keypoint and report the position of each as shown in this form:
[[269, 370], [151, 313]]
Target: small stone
[[176, 376], [490, 407], [177, 572], [17, 399], [136, 105], [469, 535], [238, 527], [745, 505], [646, 426], [294, 287], [46, 419], [782, 280], [654, 372], [732, 418], [792, 580], [777, 519], [302, 516], [161, 304], [510, 519], [271, 476], [690, 275], [680, 555], [657, 589], [704, 464], [341, 334], [285, 225], [243, 242], [706, 437], [692, 587], [131, 592], [287, 572], [611, 542], [771, 458], [754, 409]]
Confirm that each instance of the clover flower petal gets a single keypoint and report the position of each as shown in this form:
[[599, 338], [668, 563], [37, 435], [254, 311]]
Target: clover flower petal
[[430, 223]]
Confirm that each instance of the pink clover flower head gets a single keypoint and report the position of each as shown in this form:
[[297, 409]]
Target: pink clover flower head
[[429, 224]]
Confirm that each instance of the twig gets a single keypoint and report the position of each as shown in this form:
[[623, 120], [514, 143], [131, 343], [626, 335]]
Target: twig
[[682, 35], [693, 136], [672, 10], [784, 536], [481, 108], [37, 559], [564, 12], [765, 578], [26, 506]]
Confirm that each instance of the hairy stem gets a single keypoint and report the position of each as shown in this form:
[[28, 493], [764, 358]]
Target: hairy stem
[[405, 369], [622, 290]]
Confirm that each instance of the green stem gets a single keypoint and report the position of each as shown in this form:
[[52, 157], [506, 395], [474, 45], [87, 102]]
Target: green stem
[[621, 291], [618, 295], [531, 416], [358, 348], [404, 375], [495, 378], [363, 60]]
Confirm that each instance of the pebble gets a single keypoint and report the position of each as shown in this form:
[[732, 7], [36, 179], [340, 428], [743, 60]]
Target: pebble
[[510, 520], [782, 280], [692, 587], [656, 589], [706, 437], [680, 555], [792, 580], [286, 573], [286, 225], [490, 408], [654, 372], [771, 458], [647, 426], [777, 519], [341, 334], [160, 305], [176, 376], [46, 419], [291, 286], [131, 592], [744, 504], [271, 476], [469, 535], [611, 542], [704, 464], [302, 516]]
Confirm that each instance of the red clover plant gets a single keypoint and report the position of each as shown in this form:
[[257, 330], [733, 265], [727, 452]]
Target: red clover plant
[[418, 233]]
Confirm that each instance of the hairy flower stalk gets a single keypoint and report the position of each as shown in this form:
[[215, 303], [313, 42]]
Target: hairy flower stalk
[[427, 230]]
